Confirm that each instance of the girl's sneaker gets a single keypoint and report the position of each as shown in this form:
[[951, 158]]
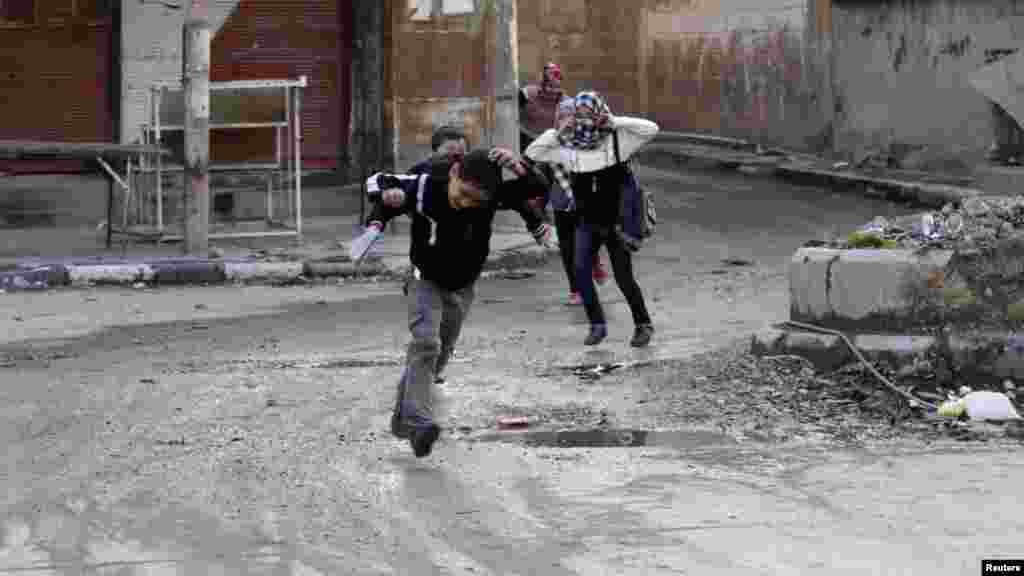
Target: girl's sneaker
[[598, 332]]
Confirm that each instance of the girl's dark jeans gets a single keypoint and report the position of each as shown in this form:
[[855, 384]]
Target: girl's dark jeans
[[565, 225], [590, 238]]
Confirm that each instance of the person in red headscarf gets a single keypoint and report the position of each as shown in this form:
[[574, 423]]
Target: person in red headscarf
[[538, 104]]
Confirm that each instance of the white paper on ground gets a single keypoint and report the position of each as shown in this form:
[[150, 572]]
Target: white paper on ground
[[361, 245]]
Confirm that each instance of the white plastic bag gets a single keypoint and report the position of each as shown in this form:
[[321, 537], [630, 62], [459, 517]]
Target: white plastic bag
[[989, 406]]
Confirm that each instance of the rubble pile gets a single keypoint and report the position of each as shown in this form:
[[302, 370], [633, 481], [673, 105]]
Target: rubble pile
[[978, 223], [784, 399]]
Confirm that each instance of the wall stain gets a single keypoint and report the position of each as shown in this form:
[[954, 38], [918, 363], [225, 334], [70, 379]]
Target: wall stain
[[958, 48], [901, 54]]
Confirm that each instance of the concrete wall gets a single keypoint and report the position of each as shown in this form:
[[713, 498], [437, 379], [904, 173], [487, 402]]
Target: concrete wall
[[746, 68], [151, 52], [901, 68]]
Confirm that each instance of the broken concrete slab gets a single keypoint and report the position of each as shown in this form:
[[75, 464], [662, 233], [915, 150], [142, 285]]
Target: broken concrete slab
[[977, 359], [895, 349], [826, 352], [864, 289]]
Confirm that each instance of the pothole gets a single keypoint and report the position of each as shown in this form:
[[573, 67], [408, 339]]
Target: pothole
[[612, 438]]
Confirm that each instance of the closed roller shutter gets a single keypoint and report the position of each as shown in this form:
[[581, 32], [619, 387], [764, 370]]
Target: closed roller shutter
[[55, 72], [273, 39]]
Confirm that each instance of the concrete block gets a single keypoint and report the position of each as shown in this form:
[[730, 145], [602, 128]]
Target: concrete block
[[84, 275], [343, 269], [878, 282], [809, 282], [767, 342], [843, 287], [199, 272], [894, 349], [826, 352], [242, 271], [34, 278]]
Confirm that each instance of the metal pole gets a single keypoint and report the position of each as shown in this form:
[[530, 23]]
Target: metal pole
[[110, 210], [286, 200], [298, 162], [196, 84], [158, 99]]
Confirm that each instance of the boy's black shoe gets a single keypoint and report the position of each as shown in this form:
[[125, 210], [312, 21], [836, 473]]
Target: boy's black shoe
[[398, 428], [642, 336], [422, 438], [598, 332]]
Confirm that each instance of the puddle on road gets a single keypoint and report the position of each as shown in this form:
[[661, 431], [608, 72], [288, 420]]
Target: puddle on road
[[613, 438]]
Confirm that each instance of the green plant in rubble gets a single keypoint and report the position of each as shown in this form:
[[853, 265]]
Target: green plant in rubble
[[1015, 311], [868, 240], [958, 296]]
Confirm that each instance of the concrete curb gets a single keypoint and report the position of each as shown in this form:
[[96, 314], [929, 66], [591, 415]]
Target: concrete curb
[[971, 358], [193, 271], [916, 193], [79, 275], [745, 157]]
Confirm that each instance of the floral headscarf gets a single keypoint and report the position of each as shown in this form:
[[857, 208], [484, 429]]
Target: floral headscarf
[[591, 123]]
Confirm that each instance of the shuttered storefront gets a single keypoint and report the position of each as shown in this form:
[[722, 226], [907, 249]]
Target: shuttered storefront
[[55, 75], [275, 39]]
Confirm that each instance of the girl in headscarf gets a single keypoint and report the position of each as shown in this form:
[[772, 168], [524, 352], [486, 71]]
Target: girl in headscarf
[[564, 207], [538, 111], [537, 104], [586, 147]]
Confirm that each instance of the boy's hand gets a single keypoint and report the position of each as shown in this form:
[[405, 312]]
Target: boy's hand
[[393, 197], [507, 159]]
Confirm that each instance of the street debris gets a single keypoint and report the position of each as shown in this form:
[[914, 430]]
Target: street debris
[[513, 422], [784, 399], [736, 262], [977, 223]]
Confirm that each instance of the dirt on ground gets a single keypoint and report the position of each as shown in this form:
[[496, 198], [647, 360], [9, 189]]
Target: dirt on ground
[[777, 400]]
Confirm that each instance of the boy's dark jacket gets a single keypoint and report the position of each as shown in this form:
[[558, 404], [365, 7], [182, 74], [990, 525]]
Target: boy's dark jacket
[[450, 246], [532, 217]]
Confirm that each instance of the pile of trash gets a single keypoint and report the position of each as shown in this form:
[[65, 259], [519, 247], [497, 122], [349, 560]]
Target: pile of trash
[[979, 222]]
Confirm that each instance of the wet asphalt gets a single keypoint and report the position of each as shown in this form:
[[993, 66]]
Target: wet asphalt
[[243, 430]]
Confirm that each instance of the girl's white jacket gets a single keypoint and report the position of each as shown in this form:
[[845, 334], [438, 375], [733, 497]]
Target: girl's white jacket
[[633, 134]]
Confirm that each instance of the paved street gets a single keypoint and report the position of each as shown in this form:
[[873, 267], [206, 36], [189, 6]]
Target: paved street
[[243, 430]]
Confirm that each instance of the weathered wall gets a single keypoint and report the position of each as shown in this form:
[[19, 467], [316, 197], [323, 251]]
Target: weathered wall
[[901, 74], [594, 41], [151, 52], [449, 66], [745, 68], [733, 67]]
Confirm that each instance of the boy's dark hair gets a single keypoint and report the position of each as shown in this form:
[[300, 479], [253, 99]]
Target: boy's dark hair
[[444, 134], [477, 168]]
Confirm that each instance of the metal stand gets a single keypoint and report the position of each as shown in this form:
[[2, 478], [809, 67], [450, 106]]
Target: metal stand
[[287, 164]]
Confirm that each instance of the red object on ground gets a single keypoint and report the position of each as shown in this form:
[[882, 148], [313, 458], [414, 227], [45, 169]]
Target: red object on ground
[[508, 422]]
